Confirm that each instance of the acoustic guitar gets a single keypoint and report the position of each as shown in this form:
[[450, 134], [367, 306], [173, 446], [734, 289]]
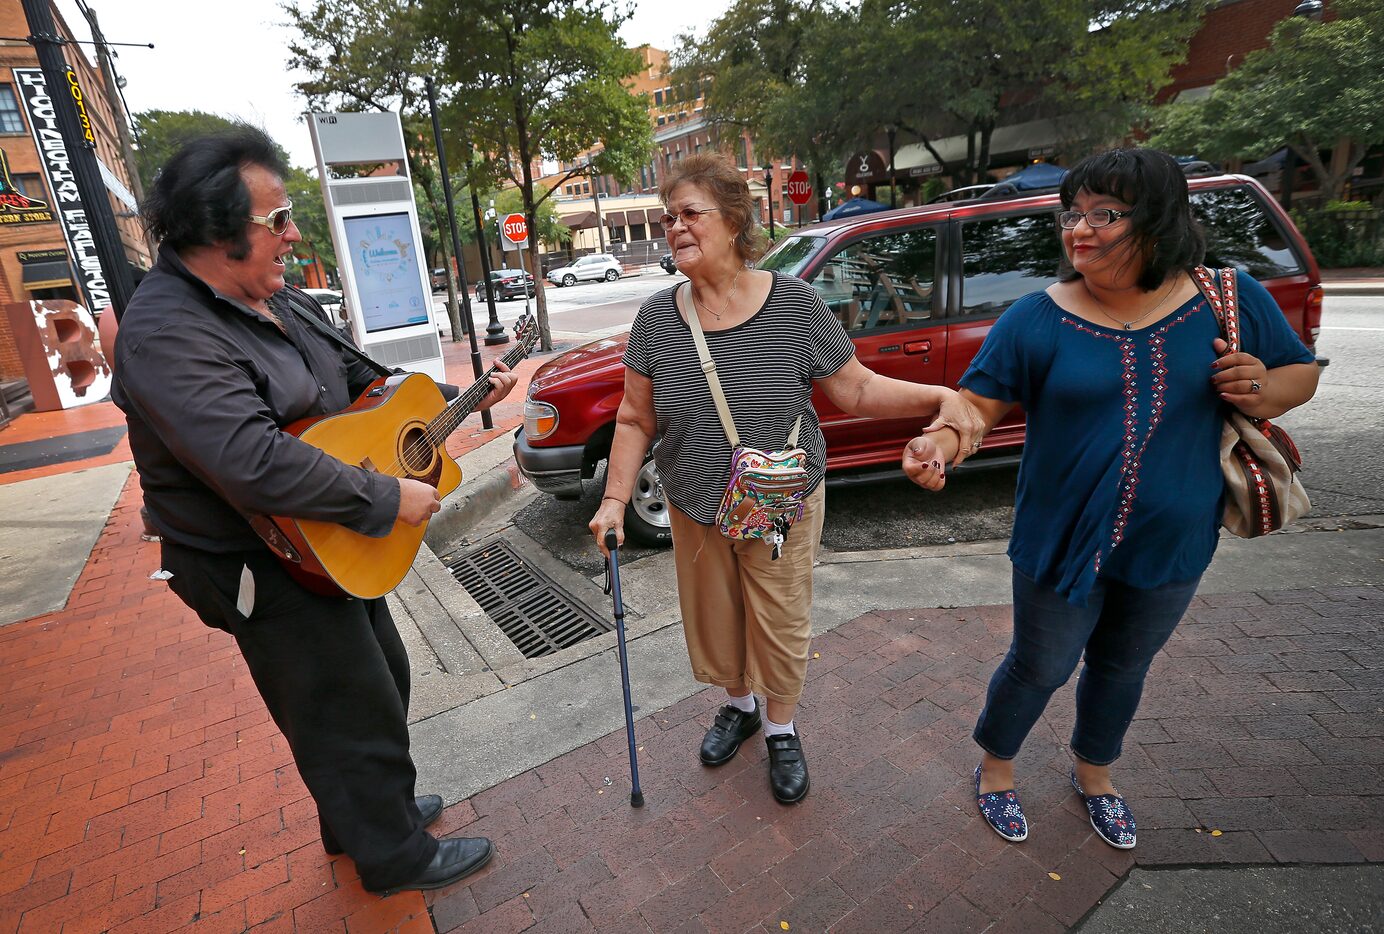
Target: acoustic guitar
[[399, 426]]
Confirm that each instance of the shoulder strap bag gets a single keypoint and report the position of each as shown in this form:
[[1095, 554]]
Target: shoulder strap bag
[[1259, 461], [767, 490]]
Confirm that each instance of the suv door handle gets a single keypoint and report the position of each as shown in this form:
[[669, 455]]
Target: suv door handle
[[917, 347]]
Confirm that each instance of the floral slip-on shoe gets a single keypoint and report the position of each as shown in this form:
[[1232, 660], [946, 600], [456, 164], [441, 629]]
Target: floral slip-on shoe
[[1002, 811], [1109, 816]]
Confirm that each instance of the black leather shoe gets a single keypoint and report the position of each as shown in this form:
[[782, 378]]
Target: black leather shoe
[[430, 806], [456, 858], [787, 768], [732, 727]]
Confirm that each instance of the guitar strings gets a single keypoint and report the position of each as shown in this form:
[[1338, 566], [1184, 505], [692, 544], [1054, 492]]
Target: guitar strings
[[463, 404]]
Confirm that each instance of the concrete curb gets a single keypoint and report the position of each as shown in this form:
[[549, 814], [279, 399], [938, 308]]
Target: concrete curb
[[487, 481], [1354, 287]]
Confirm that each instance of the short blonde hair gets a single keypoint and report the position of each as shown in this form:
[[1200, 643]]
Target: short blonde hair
[[715, 174]]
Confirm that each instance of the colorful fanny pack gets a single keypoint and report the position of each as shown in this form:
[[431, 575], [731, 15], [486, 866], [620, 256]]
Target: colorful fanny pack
[[767, 490]]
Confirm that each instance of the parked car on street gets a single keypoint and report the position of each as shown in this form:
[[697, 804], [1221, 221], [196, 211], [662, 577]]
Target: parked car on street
[[334, 304], [589, 268], [507, 284], [668, 264], [439, 279], [917, 289]]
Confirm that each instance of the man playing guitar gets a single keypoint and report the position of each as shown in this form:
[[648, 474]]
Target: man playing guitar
[[211, 364]]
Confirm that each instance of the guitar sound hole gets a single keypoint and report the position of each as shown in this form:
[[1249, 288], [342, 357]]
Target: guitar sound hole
[[417, 455]]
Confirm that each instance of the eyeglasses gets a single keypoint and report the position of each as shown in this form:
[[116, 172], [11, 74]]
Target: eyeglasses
[[276, 220], [1100, 217], [688, 216]]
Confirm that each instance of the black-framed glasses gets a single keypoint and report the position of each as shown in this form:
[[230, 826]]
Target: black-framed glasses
[[1100, 217], [688, 216], [276, 220]]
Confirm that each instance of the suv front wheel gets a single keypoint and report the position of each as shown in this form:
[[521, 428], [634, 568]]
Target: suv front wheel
[[646, 519], [569, 280]]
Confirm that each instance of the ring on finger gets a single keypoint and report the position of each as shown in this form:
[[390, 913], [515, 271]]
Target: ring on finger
[[976, 446], [1255, 385]]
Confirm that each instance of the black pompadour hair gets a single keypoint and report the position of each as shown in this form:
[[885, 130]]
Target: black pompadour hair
[[199, 198], [1168, 237]]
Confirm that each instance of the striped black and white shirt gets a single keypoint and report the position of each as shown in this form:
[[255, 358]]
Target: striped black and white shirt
[[766, 365]]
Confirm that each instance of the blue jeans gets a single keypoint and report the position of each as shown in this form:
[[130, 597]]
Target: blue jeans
[[1121, 629]]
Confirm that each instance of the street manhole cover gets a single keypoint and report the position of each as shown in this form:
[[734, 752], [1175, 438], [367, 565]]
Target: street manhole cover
[[537, 615]]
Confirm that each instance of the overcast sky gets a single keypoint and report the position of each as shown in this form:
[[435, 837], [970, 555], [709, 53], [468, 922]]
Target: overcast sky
[[226, 56]]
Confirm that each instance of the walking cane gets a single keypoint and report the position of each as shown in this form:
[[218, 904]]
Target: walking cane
[[613, 588]]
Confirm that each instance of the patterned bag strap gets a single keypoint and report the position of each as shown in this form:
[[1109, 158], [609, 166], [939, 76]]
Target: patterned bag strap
[[1226, 309], [714, 381]]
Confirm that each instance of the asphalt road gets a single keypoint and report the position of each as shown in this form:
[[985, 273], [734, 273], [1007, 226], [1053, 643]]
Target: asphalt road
[[1338, 433]]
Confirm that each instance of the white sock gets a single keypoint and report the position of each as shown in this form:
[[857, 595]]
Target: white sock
[[745, 703], [777, 729]]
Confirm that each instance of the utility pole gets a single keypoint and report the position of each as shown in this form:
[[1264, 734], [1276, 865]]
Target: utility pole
[[116, 102], [596, 200], [110, 252]]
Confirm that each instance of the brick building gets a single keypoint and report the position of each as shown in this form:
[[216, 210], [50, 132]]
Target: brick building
[[41, 256]]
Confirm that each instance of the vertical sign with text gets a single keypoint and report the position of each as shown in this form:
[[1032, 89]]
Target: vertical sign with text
[[67, 202]]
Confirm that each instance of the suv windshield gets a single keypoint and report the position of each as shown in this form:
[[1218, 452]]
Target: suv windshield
[[791, 255]]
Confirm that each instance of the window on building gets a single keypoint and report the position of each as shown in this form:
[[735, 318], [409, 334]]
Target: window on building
[[30, 185], [10, 120], [662, 119], [882, 281], [1006, 258], [742, 155], [658, 98]]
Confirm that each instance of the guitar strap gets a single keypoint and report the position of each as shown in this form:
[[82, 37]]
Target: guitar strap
[[295, 300]]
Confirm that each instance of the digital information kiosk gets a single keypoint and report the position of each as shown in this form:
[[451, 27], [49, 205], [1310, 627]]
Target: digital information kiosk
[[374, 224]]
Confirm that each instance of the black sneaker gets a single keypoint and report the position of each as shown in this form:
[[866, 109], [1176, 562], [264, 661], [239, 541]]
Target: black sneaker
[[787, 768], [732, 727]]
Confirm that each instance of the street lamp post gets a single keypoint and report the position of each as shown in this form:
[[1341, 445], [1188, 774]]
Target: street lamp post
[[769, 194], [596, 200], [494, 331]]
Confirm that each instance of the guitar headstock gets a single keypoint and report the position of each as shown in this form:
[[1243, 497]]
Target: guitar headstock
[[526, 331]]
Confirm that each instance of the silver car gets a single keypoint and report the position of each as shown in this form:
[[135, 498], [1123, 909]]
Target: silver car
[[587, 268]]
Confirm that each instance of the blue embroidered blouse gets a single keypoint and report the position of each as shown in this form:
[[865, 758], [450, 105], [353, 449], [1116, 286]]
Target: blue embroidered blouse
[[1120, 473]]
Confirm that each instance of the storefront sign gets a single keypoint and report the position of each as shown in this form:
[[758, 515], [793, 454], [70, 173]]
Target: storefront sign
[[62, 181], [931, 168], [15, 206], [865, 166]]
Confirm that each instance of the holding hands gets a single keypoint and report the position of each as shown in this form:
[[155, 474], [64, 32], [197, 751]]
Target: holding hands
[[924, 463], [958, 414]]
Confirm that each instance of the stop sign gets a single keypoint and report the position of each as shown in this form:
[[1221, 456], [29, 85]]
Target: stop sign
[[798, 187], [515, 228]]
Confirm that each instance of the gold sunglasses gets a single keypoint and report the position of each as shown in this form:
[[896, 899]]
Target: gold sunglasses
[[276, 220]]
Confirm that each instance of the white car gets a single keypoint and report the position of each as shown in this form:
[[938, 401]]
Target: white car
[[591, 267]]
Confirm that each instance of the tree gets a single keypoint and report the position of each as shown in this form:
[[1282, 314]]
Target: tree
[[529, 80], [161, 133], [1317, 86], [373, 55], [310, 216]]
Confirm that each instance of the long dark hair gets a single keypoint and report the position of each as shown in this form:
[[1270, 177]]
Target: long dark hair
[[1168, 237], [199, 198]]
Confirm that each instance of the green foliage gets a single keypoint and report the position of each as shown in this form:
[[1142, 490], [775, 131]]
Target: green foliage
[[161, 133], [1343, 234], [1317, 86], [528, 80]]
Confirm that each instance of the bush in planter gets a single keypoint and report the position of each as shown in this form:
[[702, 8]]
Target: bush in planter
[[1343, 233]]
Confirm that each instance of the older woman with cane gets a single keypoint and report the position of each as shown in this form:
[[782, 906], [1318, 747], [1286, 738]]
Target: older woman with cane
[[746, 606], [1125, 377]]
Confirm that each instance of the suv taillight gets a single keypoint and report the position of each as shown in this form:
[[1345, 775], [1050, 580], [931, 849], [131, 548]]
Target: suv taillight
[[540, 420], [1312, 316]]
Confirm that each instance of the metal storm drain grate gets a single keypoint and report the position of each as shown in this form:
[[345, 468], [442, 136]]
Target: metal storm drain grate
[[537, 615]]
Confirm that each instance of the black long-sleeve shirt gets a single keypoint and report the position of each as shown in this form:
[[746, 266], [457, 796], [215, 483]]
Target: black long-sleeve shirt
[[206, 383]]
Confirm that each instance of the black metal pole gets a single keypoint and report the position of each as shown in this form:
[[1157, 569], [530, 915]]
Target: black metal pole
[[476, 366], [494, 331], [110, 251], [893, 183], [769, 195]]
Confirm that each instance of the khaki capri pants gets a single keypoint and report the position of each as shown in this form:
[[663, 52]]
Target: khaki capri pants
[[747, 617]]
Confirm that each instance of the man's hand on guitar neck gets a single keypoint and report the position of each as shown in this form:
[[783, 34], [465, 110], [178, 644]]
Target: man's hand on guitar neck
[[501, 382], [417, 501]]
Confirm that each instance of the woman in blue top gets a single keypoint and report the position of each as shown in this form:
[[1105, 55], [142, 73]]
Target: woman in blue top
[[1124, 377]]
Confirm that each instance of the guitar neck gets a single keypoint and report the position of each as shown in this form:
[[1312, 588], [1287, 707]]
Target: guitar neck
[[463, 405]]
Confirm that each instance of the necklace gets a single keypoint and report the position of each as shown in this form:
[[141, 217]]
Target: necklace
[[1129, 325], [734, 282]]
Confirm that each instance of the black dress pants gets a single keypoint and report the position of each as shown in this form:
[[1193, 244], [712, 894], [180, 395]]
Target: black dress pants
[[335, 677]]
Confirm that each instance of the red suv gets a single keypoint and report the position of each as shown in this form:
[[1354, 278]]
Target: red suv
[[917, 289]]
